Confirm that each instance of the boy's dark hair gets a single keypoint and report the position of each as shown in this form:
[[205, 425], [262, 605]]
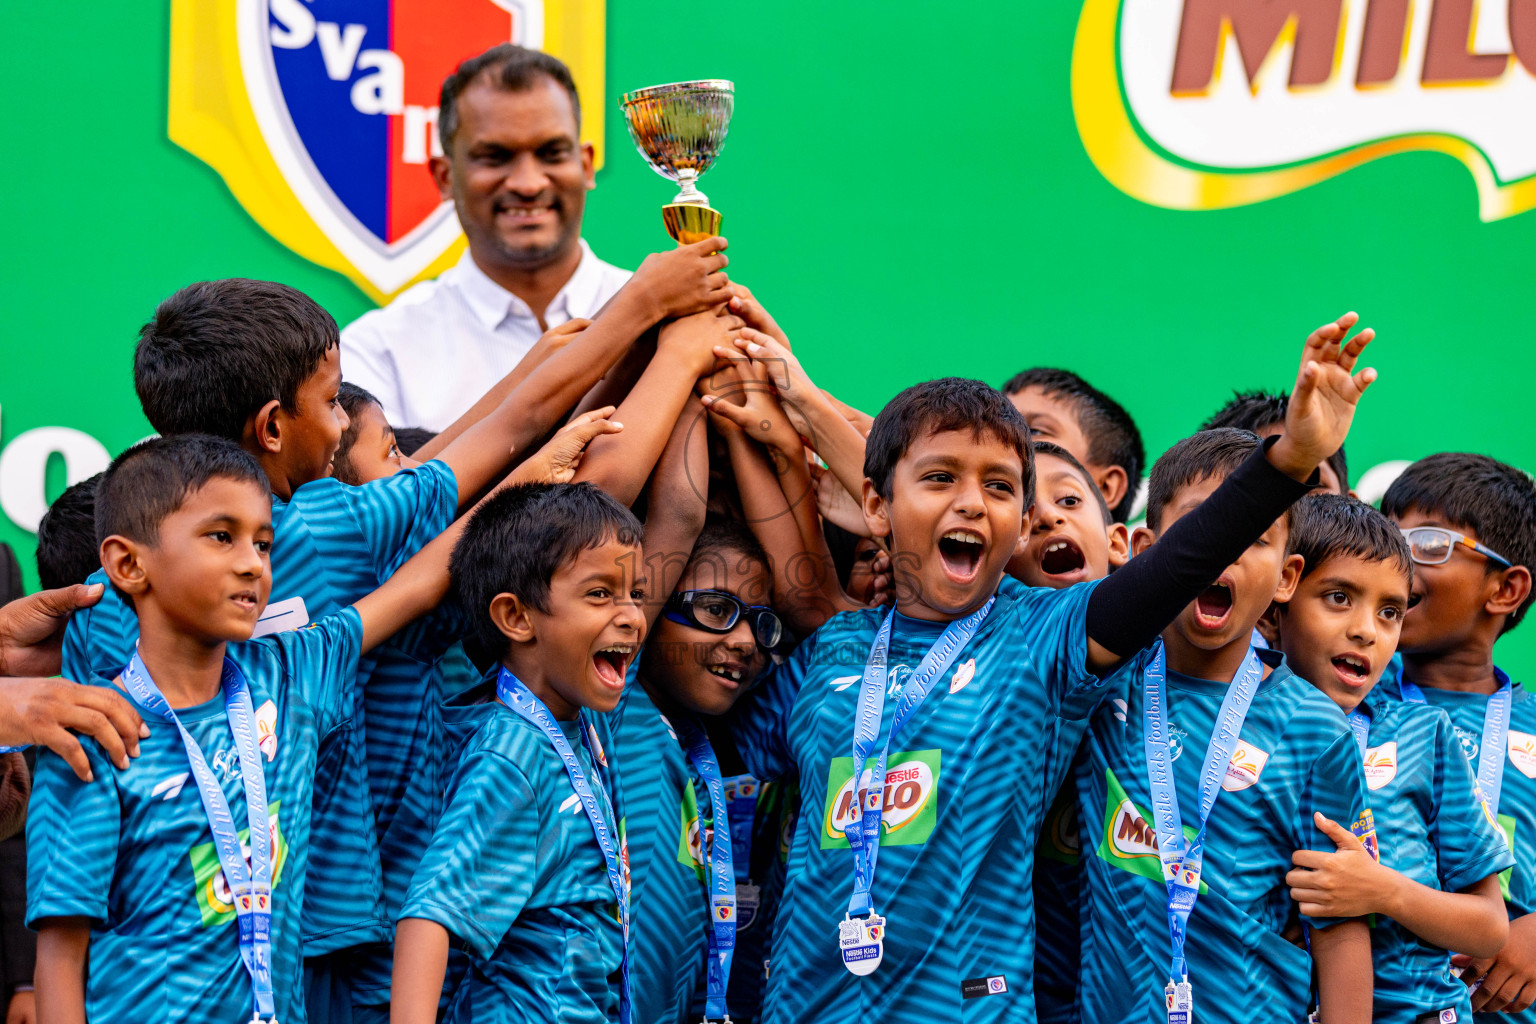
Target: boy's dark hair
[[723, 541], [352, 399], [949, 403], [67, 551], [1495, 501], [507, 66], [1325, 526], [217, 351], [1113, 438], [1051, 448], [151, 480], [410, 439], [517, 540], [1210, 453], [1259, 410]]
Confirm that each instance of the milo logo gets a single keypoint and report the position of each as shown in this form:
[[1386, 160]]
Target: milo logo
[[215, 900], [1128, 836], [908, 802]]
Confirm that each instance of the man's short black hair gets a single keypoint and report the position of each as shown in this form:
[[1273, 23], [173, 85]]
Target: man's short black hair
[[510, 67], [154, 478], [352, 399], [1258, 411], [1495, 501], [1113, 438], [949, 403], [410, 439], [67, 551], [520, 537], [1210, 453], [1053, 449], [217, 351], [1325, 526]]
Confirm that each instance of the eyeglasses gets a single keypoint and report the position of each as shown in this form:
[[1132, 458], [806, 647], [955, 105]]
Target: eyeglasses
[[716, 611], [1432, 545]]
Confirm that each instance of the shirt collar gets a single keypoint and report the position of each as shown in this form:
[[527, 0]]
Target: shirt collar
[[492, 304]]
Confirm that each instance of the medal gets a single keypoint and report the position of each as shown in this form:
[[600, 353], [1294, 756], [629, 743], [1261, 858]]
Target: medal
[[861, 942], [1180, 998]]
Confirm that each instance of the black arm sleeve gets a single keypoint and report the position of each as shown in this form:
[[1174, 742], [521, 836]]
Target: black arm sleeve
[[1129, 609]]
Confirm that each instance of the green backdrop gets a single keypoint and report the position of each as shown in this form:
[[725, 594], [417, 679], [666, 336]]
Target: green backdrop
[[903, 185]]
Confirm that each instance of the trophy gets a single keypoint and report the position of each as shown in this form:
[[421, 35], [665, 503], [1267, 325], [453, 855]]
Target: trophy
[[679, 129]]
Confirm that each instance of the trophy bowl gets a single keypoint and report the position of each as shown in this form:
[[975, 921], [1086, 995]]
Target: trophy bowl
[[679, 128]]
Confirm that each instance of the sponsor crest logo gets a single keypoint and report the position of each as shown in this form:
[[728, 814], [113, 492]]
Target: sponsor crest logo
[[1381, 765], [1246, 766], [908, 805], [320, 115], [266, 729], [1471, 745], [1207, 104], [1522, 752], [962, 676]]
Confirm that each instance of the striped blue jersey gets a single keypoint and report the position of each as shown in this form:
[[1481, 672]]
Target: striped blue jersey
[[1430, 826], [1295, 755], [332, 544], [767, 856], [969, 781], [1058, 908], [1517, 798], [132, 852], [514, 873]]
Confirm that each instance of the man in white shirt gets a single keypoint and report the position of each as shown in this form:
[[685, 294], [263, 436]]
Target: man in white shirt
[[518, 175]]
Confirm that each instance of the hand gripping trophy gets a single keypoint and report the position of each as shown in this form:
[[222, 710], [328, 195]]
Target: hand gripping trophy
[[679, 129]]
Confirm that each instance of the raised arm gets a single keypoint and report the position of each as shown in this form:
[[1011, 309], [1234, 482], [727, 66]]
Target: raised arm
[[676, 507], [684, 279]]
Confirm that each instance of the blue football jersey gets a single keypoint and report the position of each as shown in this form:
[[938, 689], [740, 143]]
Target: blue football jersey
[[969, 781], [132, 852], [332, 544], [1430, 826], [1295, 755], [1058, 908], [515, 874]]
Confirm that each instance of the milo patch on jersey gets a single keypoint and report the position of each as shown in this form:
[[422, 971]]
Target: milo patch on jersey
[[1059, 838], [214, 899], [1128, 837], [909, 804], [690, 839]]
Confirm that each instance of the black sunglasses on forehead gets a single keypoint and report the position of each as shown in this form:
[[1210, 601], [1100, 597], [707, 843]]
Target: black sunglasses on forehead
[[718, 611]]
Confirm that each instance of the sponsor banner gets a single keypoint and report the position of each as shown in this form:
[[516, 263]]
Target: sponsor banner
[[910, 806]]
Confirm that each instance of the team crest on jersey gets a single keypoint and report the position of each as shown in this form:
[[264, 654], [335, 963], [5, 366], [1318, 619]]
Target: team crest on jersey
[[1381, 765], [215, 901], [1522, 752], [1246, 766], [1471, 744], [963, 675], [266, 729], [598, 752], [909, 802], [320, 115]]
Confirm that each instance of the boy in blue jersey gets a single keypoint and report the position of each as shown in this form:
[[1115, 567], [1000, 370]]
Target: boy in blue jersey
[[954, 804], [1208, 767], [259, 363], [134, 905], [1470, 522], [1435, 887], [525, 870], [1071, 538]]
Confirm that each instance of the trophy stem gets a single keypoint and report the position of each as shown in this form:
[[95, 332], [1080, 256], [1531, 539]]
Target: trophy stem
[[689, 194]]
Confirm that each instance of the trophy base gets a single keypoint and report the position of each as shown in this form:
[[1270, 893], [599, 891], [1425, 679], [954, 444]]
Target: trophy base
[[689, 222]]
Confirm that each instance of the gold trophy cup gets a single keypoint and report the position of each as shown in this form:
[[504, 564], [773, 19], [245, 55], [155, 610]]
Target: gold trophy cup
[[679, 129]]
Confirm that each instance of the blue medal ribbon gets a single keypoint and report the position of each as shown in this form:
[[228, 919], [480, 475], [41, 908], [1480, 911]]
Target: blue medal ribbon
[[864, 834], [522, 700], [1490, 759], [250, 884], [722, 872], [1181, 863], [741, 792]]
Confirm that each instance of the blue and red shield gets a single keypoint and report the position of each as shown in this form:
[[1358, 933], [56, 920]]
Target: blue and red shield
[[321, 114]]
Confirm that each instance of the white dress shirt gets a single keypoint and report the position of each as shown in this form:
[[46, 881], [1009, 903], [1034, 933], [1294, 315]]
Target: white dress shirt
[[430, 354]]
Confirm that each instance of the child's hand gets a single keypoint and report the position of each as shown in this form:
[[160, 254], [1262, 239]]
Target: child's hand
[[745, 305], [1508, 982], [836, 505], [1346, 883], [685, 280], [742, 397], [783, 371], [560, 458], [1323, 402], [696, 337]]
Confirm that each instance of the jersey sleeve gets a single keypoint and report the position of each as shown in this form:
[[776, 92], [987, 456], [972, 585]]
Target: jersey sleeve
[[320, 660], [760, 720], [1052, 627], [1468, 846], [479, 870], [1335, 786], [366, 362], [98, 641], [386, 520], [73, 831]]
